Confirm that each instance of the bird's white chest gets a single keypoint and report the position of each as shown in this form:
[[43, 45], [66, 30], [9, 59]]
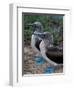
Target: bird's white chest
[[33, 43]]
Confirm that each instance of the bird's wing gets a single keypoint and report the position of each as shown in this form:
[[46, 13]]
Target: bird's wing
[[37, 44], [55, 54], [54, 51]]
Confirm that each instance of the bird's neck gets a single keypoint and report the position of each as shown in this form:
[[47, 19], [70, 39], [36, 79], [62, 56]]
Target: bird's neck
[[36, 32]]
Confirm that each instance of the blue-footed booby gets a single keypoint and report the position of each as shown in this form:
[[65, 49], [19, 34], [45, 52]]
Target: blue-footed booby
[[42, 42], [53, 54], [35, 40]]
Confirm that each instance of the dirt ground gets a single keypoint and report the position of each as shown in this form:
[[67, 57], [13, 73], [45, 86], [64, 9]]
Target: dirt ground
[[30, 66]]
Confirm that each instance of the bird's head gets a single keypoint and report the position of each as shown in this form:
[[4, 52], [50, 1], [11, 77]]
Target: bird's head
[[46, 37], [37, 26]]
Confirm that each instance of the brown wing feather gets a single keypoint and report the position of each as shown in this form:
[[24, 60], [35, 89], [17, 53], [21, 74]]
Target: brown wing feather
[[55, 54], [37, 44]]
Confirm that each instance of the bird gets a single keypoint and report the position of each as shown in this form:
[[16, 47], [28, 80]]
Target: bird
[[52, 54], [35, 40], [42, 42]]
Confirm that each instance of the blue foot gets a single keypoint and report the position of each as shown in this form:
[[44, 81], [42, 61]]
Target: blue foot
[[39, 60], [49, 70]]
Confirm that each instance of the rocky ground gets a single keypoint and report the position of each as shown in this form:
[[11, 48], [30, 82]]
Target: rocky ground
[[30, 66]]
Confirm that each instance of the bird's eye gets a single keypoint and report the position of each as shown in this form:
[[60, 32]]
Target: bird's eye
[[44, 35], [34, 26]]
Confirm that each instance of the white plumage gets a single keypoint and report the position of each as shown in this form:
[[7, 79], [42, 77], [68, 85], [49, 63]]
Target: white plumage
[[33, 43], [43, 52]]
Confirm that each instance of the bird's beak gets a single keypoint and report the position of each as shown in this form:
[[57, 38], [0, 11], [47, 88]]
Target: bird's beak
[[29, 24]]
